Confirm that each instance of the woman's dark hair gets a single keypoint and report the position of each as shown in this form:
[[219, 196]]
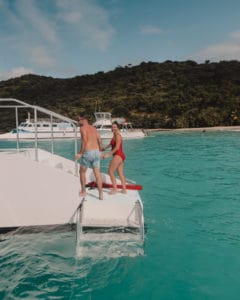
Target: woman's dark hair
[[116, 123]]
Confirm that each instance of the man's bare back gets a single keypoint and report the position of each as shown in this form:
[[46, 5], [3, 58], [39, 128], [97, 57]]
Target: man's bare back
[[90, 153], [90, 137]]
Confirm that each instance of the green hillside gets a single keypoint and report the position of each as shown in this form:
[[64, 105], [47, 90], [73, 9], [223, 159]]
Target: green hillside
[[151, 95]]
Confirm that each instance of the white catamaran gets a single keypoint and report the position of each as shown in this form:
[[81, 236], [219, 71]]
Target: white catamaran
[[45, 128], [40, 191]]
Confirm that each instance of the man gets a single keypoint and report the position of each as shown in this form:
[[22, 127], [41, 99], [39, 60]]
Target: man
[[89, 154]]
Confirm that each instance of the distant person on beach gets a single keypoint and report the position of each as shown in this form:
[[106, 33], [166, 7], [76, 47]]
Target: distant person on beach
[[89, 154], [118, 159]]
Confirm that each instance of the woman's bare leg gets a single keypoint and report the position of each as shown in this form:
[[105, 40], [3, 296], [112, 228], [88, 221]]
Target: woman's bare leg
[[98, 176], [122, 178], [112, 168]]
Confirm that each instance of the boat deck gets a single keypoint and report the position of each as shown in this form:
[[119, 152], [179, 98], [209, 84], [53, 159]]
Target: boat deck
[[46, 192], [117, 210]]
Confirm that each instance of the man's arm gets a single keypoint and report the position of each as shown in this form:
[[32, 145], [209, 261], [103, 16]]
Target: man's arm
[[99, 141], [83, 143], [84, 140]]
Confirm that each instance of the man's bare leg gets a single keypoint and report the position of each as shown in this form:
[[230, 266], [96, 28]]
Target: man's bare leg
[[98, 176], [83, 181]]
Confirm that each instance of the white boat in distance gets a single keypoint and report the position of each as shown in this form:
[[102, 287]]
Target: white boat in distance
[[45, 129], [46, 197], [104, 122]]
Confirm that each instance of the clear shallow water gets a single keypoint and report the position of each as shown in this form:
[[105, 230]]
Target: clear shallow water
[[191, 202]]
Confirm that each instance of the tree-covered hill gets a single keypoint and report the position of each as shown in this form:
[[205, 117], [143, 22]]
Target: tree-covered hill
[[151, 95]]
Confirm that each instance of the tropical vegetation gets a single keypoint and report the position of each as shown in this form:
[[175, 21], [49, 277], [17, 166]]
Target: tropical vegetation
[[152, 95]]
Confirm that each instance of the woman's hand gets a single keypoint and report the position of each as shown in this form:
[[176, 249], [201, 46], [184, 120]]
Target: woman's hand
[[103, 156]]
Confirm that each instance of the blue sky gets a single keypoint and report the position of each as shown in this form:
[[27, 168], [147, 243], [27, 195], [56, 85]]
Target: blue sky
[[66, 38]]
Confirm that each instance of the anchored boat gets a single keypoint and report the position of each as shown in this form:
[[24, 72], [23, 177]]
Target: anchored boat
[[40, 191], [47, 128], [104, 122]]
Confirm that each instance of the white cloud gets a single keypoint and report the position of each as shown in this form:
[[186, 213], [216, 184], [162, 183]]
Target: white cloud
[[2, 4], [28, 26], [38, 35], [15, 72], [41, 24], [26, 20], [229, 50], [235, 35], [151, 30], [40, 57], [87, 21], [72, 17]]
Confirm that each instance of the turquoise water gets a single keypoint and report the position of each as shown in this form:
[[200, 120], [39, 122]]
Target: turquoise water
[[191, 203]]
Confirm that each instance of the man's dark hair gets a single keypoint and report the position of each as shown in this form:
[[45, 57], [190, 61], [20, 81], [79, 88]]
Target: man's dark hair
[[82, 117]]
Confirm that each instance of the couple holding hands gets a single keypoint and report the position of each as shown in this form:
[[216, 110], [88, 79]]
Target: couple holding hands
[[90, 156]]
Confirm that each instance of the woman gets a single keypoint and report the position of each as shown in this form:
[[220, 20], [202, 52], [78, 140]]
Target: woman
[[117, 161]]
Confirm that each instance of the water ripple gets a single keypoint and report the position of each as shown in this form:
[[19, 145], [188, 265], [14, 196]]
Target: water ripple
[[191, 197]]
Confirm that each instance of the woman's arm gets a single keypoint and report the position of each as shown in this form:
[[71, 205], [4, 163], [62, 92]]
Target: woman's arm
[[106, 147], [118, 140]]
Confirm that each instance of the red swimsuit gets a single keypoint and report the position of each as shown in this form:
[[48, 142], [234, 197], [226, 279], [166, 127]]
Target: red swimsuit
[[119, 152]]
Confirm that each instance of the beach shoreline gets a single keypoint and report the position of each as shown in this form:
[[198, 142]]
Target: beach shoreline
[[202, 129]]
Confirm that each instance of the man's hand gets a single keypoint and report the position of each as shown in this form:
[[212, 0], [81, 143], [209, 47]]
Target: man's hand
[[77, 156]]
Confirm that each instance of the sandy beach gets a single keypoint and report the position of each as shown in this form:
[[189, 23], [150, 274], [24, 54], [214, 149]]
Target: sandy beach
[[203, 129]]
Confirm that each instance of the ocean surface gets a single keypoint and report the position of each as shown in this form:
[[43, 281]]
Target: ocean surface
[[191, 200]]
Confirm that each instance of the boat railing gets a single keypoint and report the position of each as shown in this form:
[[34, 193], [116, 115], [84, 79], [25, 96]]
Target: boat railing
[[139, 216], [79, 220], [102, 116], [18, 104]]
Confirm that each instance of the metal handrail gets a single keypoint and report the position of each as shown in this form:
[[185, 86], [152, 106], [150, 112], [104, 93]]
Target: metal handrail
[[20, 104], [79, 221], [43, 110], [139, 216]]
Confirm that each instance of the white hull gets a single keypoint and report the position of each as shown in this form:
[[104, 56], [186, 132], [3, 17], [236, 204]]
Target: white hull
[[130, 134], [40, 135]]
